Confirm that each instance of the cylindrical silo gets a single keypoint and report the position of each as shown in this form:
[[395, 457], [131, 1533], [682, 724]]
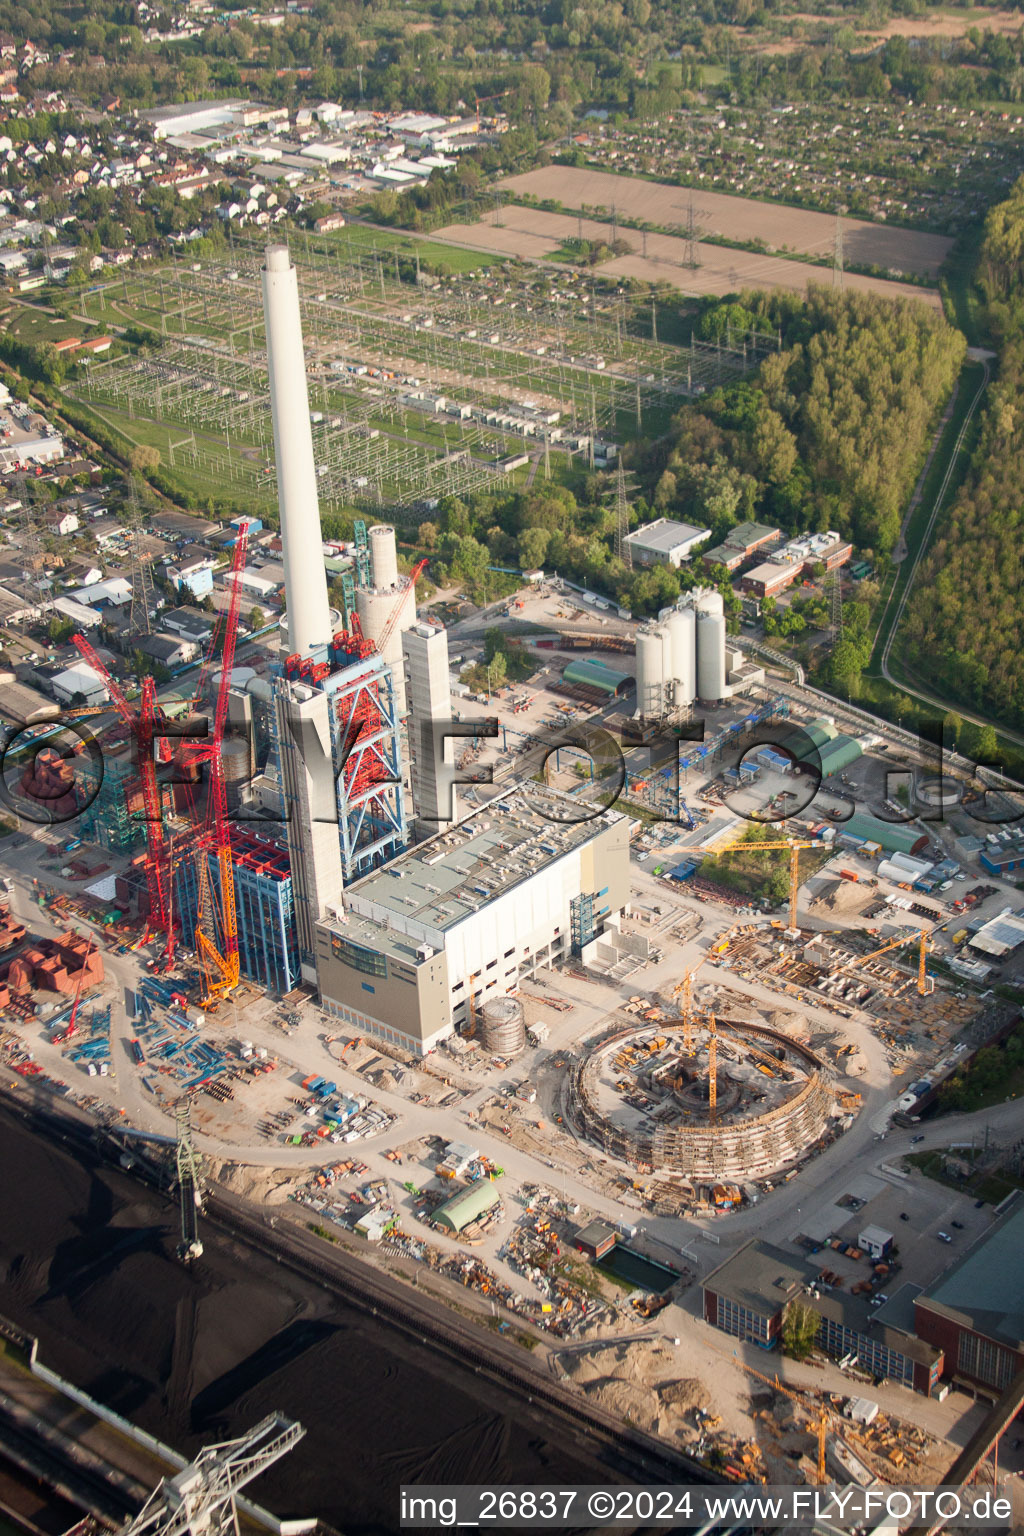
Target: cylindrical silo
[[650, 676], [236, 767], [375, 607], [710, 656], [383, 556], [503, 1026], [709, 600], [682, 626]]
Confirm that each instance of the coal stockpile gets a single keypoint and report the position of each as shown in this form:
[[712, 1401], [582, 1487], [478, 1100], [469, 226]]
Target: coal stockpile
[[87, 1264]]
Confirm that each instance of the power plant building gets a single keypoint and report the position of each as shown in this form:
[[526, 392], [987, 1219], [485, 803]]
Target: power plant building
[[421, 945]]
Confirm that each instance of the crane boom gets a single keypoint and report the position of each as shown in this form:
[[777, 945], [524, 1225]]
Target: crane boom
[[222, 967], [776, 845], [396, 612], [141, 724]]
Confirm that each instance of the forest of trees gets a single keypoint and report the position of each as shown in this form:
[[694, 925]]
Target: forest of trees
[[963, 625], [832, 432], [642, 58]]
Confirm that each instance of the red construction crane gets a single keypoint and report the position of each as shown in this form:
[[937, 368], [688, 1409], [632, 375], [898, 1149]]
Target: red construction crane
[[353, 640], [72, 1026], [396, 612], [219, 961], [141, 724]]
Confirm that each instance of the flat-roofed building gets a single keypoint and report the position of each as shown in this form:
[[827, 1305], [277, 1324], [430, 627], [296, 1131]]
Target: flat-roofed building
[[747, 1297], [424, 942], [974, 1312], [665, 542]]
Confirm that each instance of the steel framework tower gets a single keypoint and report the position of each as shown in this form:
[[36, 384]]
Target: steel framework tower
[[201, 1499], [190, 1194], [623, 549], [141, 574]]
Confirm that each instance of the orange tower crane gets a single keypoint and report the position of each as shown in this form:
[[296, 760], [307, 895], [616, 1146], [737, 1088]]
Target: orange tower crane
[[925, 984]]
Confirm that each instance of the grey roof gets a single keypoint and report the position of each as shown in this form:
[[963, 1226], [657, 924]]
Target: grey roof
[[760, 1277], [984, 1290], [443, 881], [666, 535], [161, 647]]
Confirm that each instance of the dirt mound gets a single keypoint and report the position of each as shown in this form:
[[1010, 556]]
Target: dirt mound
[[684, 1395], [270, 1186]]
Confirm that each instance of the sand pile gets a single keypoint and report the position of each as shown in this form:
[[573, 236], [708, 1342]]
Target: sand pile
[[269, 1186], [841, 896], [624, 1380]]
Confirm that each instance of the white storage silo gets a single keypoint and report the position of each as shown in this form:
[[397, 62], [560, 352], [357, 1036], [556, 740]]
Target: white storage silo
[[383, 556], [709, 600], [682, 627], [710, 655], [650, 675]]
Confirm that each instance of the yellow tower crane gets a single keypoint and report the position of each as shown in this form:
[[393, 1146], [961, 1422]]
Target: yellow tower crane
[[823, 1416], [776, 845], [925, 984]]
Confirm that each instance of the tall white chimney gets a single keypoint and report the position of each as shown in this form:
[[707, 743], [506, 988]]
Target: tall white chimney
[[305, 580]]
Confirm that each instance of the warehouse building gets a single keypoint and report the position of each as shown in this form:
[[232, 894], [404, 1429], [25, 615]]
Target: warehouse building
[[748, 1294], [467, 1206], [665, 542], [892, 836], [423, 943], [974, 1313], [769, 579], [591, 673]]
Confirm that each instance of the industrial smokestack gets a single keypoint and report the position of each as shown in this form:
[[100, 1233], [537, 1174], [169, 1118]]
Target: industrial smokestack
[[305, 580]]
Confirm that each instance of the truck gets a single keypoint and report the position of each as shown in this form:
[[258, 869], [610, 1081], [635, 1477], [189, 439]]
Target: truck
[[136, 1050]]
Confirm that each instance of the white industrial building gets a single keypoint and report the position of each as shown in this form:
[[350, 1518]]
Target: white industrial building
[[665, 542], [423, 943], [79, 683]]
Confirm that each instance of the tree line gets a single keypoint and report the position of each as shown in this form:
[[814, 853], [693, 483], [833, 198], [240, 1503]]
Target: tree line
[[963, 623]]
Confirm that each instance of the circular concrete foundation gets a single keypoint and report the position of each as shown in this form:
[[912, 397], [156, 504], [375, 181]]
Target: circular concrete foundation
[[642, 1096]]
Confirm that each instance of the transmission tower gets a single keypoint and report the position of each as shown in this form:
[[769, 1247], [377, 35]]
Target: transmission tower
[[835, 590], [140, 572], [837, 254], [201, 1499], [190, 1196], [692, 258], [623, 548]]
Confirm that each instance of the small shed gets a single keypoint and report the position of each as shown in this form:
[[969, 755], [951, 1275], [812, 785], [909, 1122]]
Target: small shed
[[876, 1242], [595, 1239]]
